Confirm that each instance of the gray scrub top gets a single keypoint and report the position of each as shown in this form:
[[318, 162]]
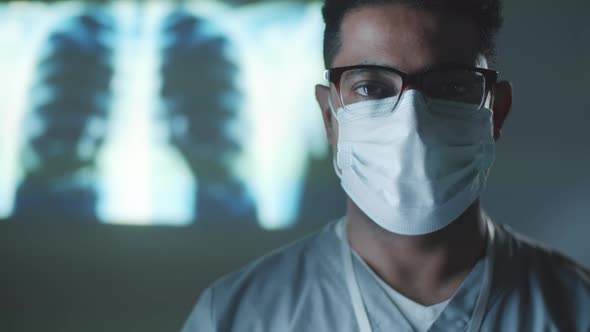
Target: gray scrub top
[[302, 287]]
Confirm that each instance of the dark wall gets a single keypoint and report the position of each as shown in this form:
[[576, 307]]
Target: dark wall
[[540, 181], [92, 277]]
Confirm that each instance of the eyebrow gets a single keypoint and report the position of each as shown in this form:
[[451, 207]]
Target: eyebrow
[[358, 72], [424, 69], [448, 63], [381, 64]]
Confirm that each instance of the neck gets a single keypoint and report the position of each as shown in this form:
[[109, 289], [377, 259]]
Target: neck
[[425, 268]]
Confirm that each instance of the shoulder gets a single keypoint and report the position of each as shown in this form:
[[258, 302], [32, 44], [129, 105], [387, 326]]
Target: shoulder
[[540, 261], [540, 283], [286, 266], [275, 285]]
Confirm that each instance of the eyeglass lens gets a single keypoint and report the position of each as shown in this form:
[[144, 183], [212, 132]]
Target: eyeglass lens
[[457, 85]]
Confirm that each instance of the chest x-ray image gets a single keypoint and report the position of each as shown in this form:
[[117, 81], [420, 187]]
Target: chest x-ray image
[[163, 113]]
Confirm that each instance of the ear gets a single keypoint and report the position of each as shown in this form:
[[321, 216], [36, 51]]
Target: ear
[[502, 106], [322, 95]]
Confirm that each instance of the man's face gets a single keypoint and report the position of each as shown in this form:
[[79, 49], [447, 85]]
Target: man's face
[[410, 40]]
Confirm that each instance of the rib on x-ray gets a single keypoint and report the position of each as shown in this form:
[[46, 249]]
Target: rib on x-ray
[[66, 128]]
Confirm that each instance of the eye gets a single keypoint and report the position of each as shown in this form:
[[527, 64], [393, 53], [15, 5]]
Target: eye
[[373, 90], [453, 89]]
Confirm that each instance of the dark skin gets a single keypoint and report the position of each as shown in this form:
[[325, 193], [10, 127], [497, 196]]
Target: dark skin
[[425, 268]]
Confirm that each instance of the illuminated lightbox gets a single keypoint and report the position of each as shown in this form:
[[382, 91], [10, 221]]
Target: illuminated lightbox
[[145, 113]]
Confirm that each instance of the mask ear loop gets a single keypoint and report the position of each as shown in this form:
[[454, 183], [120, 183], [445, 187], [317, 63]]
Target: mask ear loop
[[336, 168], [335, 154], [332, 108]]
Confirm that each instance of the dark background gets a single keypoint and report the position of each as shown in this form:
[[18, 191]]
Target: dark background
[[93, 277]]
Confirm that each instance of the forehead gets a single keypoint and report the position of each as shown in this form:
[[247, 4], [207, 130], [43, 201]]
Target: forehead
[[406, 38]]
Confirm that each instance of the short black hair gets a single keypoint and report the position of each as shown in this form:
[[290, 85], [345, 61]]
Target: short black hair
[[486, 14]]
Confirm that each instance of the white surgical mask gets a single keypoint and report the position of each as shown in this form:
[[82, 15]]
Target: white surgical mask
[[417, 168]]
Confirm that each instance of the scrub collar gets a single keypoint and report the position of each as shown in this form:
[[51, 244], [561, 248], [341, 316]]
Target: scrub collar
[[358, 304]]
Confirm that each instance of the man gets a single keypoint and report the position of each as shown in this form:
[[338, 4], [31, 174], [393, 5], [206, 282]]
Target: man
[[412, 113]]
